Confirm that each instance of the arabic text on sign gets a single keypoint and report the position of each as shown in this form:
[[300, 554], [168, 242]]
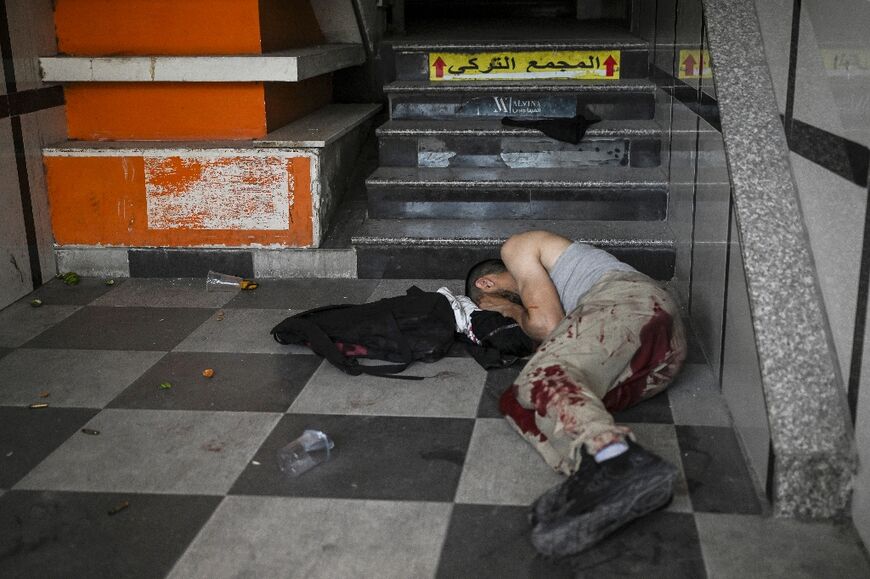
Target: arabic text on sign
[[516, 65]]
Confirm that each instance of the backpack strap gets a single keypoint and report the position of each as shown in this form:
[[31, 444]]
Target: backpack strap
[[321, 344]]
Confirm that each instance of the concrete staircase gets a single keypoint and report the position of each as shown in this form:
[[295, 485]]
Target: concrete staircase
[[454, 183]]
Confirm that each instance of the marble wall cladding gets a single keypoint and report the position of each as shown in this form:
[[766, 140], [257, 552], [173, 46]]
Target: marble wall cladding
[[741, 376], [834, 212], [665, 19], [813, 98], [14, 264], [861, 483], [41, 128], [31, 32], [774, 18], [837, 56]]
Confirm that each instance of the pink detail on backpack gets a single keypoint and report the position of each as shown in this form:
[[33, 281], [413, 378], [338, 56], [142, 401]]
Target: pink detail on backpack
[[352, 350]]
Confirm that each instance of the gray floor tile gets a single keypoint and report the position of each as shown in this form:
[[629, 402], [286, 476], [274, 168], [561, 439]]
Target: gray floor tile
[[71, 377], [20, 322], [716, 471], [497, 381], [661, 544], [451, 388], [242, 331], [241, 382], [28, 436], [501, 468], [696, 399], [389, 288], [153, 451], [280, 537], [752, 546], [375, 457], [109, 328], [304, 294], [51, 534], [165, 293], [662, 440], [656, 409], [5, 351], [57, 293]]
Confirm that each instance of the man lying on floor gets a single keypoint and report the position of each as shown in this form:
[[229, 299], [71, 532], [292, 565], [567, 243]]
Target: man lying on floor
[[621, 342]]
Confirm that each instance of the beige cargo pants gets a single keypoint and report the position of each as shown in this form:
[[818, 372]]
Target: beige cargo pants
[[623, 343]]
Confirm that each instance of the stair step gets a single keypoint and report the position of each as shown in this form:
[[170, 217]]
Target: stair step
[[599, 193], [624, 99], [488, 143], [446, 248]]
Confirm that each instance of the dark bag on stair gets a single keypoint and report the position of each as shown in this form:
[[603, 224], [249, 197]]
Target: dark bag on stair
[[417, 326]]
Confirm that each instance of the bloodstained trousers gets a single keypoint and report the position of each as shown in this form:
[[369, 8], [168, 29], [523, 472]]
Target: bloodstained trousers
[[623, 343]]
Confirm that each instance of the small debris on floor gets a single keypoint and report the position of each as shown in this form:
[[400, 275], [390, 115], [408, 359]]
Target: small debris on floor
[[109, 282], [165, 385], [120, 507], [220, 316], [69, 278], [91, 431], [255, 462], [36, 302], [208, 372], [39, 405], [247, 284], [44, 394]]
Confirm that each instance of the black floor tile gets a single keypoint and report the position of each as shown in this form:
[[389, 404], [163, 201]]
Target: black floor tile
[[497, 381], [661, 544], [493, 541], [375, 457], [27, 436], [489, 541], [108, 328], [241, 382], [716, 472], [657, 409], [57, 293], [62, 534], [304, 294], [4, 351]]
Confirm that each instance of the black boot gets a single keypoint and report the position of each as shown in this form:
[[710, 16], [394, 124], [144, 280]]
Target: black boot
[[600, 498]]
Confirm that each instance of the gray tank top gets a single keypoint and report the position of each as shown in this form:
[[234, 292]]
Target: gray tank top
[[578, 268]]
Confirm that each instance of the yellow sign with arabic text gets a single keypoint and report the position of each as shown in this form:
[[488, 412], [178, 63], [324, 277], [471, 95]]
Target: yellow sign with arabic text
[[554, 64], [695, 64]]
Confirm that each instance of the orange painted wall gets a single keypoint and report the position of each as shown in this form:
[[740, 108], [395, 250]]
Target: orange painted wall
[[183, 27], [188, 111], [101, 200]]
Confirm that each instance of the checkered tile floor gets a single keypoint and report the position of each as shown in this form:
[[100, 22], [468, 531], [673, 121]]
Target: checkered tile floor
[[426, 478]]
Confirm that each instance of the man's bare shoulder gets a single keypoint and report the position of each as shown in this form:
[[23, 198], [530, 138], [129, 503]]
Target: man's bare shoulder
[[542, 246]]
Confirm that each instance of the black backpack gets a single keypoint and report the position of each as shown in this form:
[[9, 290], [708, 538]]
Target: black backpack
[[417, 326]]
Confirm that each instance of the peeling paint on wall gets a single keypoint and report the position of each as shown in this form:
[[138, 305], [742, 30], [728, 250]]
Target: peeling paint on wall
[[195, 191]]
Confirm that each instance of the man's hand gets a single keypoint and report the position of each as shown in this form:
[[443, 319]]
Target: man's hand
[[502, 305]]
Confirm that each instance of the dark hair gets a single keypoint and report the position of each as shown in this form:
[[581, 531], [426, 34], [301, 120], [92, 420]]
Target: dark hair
[[479, 270]]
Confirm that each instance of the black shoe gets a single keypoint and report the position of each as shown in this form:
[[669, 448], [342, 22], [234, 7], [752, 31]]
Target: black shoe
[[600, 498]]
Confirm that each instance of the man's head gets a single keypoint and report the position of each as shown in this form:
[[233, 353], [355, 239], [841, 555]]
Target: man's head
[[491, 277]]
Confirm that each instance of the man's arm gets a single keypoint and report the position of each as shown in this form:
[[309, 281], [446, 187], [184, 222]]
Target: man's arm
[[542, 310]]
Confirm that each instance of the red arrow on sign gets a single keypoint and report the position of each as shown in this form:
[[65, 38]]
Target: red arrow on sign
[[610, 64], [689, 64], [439, 67]]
